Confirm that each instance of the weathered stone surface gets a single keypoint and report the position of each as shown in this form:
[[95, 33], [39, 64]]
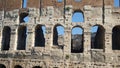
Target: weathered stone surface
[[27, 44]]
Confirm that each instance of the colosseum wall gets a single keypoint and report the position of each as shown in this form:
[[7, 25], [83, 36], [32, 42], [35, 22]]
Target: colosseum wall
[[27, 45]]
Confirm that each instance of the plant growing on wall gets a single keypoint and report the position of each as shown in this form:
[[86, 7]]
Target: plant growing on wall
[[67, 9], [67, 57]]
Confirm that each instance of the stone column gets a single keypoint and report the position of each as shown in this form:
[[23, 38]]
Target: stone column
[[108, 42], [13, 39], [87, 46], [67, 43], [108, 45], [30, 37], [0, 38], [48, 37]]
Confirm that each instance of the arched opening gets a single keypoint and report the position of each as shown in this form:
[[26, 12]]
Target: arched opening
[[58, 35], [2, 66], [37, 67], [24, 17], [78, 17], [6, 38], [97, 37], [116, 3], [21, 42], [116, 38], [77, 40], [40, 36], [17, 66]]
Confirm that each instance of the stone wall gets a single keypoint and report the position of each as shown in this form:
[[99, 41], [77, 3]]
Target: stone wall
[[51, 14]]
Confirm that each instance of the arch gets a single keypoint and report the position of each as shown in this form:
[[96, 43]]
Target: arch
[[77, 40], [39, 36], [18, 66], [78, 16], [37, 67], [116, 38], [21, 42], [58, 34], [24, 17], [6, 38], [97, 37], [2, 66]]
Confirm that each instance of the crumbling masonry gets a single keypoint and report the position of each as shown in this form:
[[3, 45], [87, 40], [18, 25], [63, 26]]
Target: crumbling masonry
[[24, 45]]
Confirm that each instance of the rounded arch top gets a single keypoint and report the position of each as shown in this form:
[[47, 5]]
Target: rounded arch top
[[2, 66], [78, 16], [58, 25], [38, 25], [78, 10], [6, 27], [18, 66], [78, 26]]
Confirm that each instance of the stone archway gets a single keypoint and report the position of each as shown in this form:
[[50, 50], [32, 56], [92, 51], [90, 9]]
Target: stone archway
[[18, 66], [37, 67], [2, 66]]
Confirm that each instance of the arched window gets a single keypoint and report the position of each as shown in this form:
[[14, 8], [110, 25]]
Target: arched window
[[2, 66], [116, 38], [78, 17], [17, 66], [6, 38], [37, 67], [77, 40], [97, 37], [21, 42], [40, 36], [58, 35], [117, 3]]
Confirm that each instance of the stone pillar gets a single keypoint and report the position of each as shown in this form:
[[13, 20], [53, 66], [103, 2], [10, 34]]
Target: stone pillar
[[13, 39], [108, 42], [0, 38], [87, 46], [108, 45], [67, 43], [48, 38], [30, 37]]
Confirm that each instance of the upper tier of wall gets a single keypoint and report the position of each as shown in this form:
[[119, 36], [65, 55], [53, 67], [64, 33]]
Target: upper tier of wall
[[8, 5]]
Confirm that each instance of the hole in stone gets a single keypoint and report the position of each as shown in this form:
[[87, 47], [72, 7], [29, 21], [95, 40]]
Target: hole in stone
[[21, 43], [2, 66], [6, 38], [17, 66], [77, 40], [78, 17], [116, 38], [37, 67], [97, 37], [58, 35], [40, 36], [24, 18]]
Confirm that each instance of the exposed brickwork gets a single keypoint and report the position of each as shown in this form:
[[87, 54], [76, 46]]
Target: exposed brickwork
[[17, 4]]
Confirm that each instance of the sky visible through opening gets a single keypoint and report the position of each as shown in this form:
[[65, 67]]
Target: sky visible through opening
[[76, 18]]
